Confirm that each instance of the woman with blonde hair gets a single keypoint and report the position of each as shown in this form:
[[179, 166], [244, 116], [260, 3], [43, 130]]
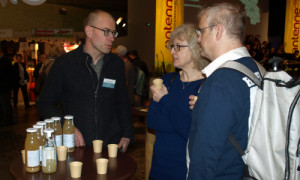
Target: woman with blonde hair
[[169, 114]]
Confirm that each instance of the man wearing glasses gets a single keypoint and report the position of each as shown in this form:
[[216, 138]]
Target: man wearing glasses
[[89, 83], [225, 99]]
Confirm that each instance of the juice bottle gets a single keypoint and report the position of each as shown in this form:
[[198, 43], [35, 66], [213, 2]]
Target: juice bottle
[[49, 164], [42, 123], [40, 139], [32, 152], [68, 133], [49, 123], [57, 131]]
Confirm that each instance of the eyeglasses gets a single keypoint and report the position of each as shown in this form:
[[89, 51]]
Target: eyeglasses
[[177, 47], [107, 32], [200, 31]]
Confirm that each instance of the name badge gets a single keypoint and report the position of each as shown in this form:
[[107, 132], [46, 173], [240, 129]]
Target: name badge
[[109, 83]]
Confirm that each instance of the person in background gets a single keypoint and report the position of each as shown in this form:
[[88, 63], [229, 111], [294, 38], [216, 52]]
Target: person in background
[[225, 98], [42, 59], [89, 83], [40, 73], [169, 114], [6, 74], [140, 98], [21, 79], [129, 72]]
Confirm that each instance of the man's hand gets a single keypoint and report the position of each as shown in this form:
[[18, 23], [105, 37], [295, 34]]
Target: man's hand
[[79, 141], [124, 142], [192, 101], [158, 93]]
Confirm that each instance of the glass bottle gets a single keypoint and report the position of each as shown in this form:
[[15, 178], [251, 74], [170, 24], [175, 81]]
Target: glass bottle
[[57, 131], [68, 133], [40, 139], [42, 123], [49, 164], [32, 152], [49, 123]]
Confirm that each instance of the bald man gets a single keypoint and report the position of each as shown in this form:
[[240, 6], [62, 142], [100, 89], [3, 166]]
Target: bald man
[[89, 83]]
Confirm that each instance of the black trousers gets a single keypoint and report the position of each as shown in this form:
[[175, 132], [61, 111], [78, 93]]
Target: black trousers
[[5, 107], [24, 93]]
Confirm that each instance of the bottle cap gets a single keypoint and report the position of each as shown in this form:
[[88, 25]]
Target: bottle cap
[[48, 132], [56, 118], [68, 117], [31, 130], [41, 123], [49, 120], [36, 126]]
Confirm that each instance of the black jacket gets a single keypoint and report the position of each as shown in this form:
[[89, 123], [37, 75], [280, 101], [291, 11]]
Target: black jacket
[[99, 112], [6, 74], [16, 74]]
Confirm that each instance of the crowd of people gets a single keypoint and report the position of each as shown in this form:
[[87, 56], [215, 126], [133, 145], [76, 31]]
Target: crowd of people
[[263, 51]]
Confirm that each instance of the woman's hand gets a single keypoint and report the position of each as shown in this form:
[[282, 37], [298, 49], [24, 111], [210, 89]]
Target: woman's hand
[[158, 93]]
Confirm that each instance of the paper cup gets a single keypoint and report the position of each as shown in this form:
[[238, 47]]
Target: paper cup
[[75, 169], [158, 83], [102, 165], [62, 153], [112, 150], [97, 146], [23, 156]]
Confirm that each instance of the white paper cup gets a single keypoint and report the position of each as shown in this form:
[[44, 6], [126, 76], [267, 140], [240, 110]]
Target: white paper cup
[[23, 156], [112, 150], [75, 169], [62, 153], [97, 146], [158, 83], [102, 165]]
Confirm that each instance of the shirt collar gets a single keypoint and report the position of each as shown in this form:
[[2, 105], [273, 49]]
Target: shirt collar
[[230, 55]]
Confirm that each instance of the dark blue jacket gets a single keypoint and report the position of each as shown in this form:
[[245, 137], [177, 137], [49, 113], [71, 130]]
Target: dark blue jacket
[[223, 107], [171, 119]]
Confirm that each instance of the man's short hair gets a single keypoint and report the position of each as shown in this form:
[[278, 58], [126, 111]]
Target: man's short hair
[[232, 17], [122, 50], [93, 16]]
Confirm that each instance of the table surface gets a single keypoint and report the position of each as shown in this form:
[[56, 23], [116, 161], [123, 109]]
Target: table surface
[[122, 167]]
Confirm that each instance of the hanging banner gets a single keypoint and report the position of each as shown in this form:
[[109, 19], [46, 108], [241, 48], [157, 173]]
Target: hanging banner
[[292, 25], [169, 15]]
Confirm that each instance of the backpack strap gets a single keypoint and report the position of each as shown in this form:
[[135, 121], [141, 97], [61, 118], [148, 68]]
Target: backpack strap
[[236, 144], [246, 71]]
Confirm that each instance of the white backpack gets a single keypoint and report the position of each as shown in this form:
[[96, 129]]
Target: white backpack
[[274, 136]]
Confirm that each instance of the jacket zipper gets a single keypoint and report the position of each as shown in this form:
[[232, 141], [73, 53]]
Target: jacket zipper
[[95, 96]]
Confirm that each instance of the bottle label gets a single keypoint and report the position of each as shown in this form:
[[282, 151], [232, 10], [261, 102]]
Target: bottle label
[[33, 158], [68, 140], [41, 153], [58, 140], [48, 153]]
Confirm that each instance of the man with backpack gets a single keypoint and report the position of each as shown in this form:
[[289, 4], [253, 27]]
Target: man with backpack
[[226, 98]]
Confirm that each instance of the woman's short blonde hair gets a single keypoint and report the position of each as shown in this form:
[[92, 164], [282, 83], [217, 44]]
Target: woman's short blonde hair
[[188, 32]]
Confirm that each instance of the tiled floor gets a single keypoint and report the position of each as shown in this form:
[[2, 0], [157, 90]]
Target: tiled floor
[[13, 137]]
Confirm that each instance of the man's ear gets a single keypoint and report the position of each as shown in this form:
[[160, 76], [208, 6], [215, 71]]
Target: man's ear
[[220, 31], [88, 30]]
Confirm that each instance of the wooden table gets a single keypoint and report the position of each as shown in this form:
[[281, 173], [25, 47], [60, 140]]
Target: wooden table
[[122, 167]]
